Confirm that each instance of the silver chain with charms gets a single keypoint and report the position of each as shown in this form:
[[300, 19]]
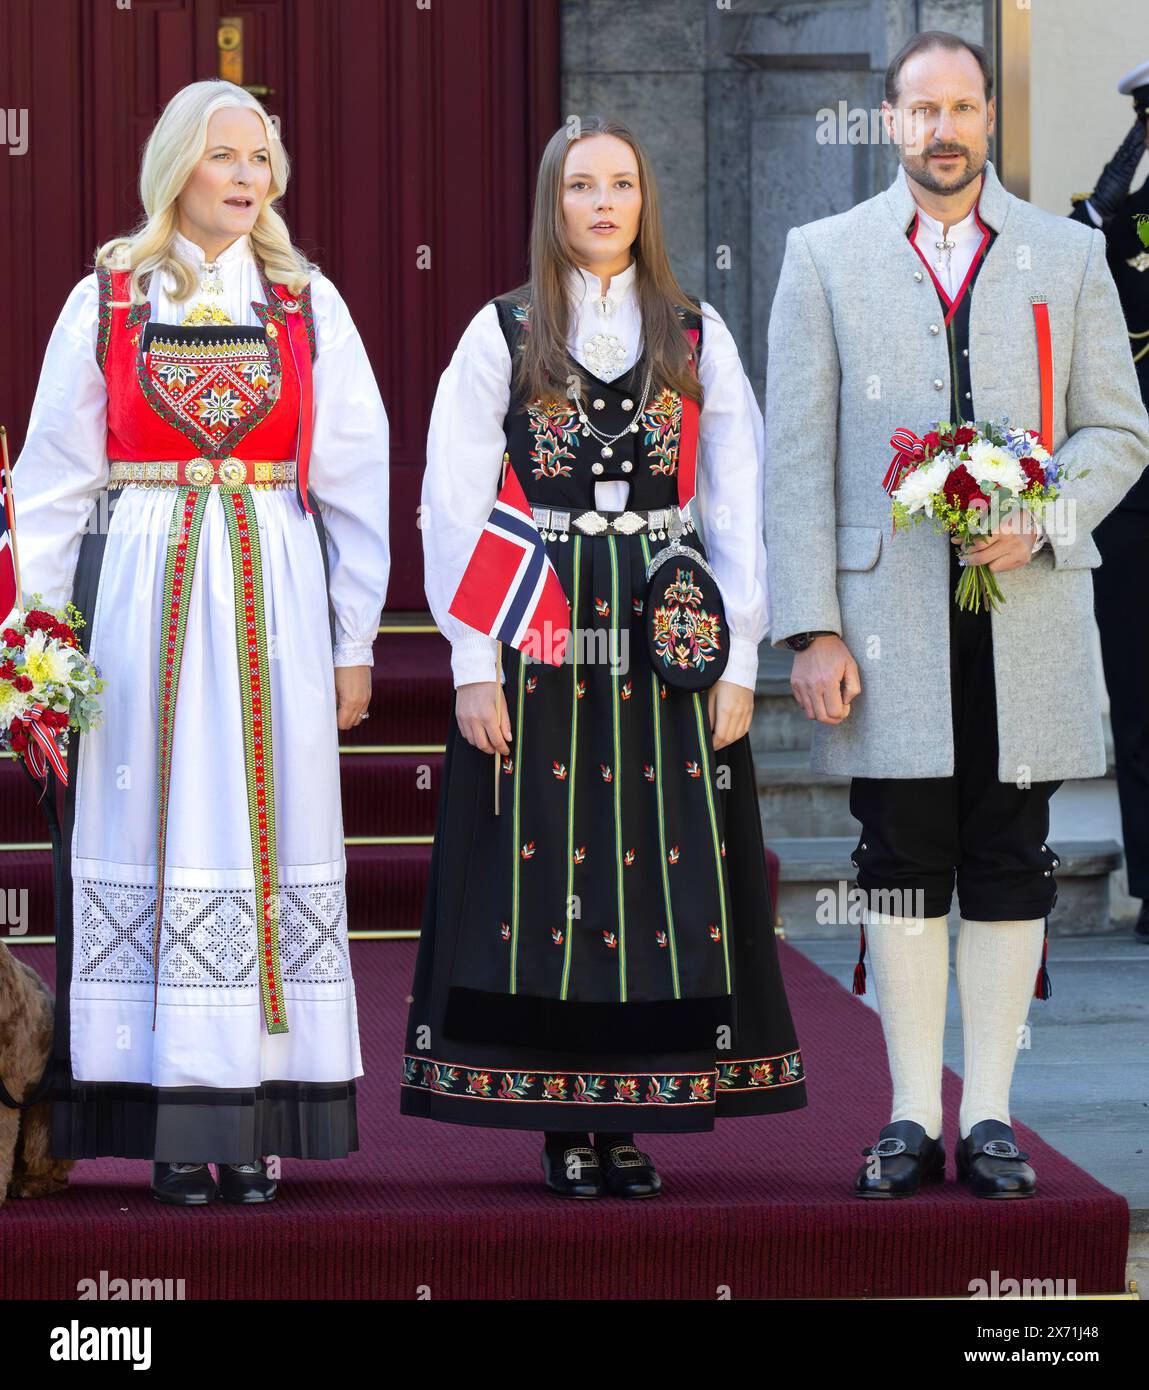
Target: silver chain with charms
[[605, 440]]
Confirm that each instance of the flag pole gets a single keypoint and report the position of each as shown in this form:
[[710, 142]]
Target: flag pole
[[499, 657], [10, 508]]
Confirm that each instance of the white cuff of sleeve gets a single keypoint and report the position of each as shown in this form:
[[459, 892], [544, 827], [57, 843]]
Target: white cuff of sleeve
[[473, 658], [1041, 537], [354, 654], [742, 665]]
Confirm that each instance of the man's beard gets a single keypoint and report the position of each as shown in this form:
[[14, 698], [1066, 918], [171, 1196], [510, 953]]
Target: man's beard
[[921, 172]]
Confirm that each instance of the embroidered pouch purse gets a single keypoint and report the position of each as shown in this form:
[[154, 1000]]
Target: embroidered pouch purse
[[685, 618]]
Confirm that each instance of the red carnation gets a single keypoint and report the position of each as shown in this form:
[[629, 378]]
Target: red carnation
[[39, 621], [17, 737], [964, 436], [932, 441], [12, 638], [1033, 471], [961, 488], [22, 684], [7, 669], [55, 718]]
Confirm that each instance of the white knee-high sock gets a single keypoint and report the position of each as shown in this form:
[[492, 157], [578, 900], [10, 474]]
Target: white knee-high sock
[[997, 964], [909, 960]]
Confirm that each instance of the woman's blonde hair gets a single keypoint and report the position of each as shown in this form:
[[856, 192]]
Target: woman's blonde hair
[[174, 148], [545, 363]]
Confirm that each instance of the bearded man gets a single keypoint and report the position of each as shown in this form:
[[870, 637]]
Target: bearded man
[[955, 726]]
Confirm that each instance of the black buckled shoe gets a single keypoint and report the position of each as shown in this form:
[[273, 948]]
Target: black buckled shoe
[[246, 1183], [576, 1172], [990, 1163], [184, 1184], [628, 1172], [907, 1158]]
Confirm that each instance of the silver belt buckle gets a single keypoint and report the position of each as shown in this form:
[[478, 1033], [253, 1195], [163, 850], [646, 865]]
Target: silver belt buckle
[[591, 523], [628, 522]]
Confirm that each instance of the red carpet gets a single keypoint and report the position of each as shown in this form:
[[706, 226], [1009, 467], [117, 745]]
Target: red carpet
[[761, 1206]]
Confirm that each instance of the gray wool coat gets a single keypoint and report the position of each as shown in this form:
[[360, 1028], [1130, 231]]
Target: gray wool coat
[[853, 357]]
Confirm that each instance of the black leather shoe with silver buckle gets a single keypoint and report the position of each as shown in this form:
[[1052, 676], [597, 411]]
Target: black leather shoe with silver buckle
[[184, 1184], [576, 1172], [628, 1172], [990, 1163], [246, 1183], [905, 1158]]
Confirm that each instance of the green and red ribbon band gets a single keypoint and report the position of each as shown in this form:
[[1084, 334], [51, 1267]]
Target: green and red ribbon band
[[251, 643]]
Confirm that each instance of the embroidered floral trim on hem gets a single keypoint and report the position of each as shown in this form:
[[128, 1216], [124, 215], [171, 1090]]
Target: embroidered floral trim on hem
[[602, 1088]]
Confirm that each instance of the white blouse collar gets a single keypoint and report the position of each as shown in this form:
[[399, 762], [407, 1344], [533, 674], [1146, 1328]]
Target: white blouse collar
[[239, 250], [962, 228], [587, 287]]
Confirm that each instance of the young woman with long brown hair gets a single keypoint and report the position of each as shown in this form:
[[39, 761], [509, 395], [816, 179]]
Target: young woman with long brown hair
[[599, 955]]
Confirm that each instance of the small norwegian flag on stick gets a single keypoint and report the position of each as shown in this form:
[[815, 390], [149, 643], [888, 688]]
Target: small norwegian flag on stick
[[509, 589]]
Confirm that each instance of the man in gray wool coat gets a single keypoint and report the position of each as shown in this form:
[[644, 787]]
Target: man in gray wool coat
[[956, 727]]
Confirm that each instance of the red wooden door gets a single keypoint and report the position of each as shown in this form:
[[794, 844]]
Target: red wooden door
[[413, 134]]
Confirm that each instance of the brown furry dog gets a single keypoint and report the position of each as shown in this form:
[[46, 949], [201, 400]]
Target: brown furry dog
[[27, 1168]]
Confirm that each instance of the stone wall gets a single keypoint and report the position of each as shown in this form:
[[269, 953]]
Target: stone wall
[[725, 94]]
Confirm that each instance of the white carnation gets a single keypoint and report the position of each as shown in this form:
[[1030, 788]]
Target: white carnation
[[991, 464], [917, 490]]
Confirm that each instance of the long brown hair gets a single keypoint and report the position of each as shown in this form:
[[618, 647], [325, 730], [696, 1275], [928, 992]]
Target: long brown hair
[[545, 364]]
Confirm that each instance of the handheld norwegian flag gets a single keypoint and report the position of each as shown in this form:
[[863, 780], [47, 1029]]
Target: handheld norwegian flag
[[8, 588], [509, 589]]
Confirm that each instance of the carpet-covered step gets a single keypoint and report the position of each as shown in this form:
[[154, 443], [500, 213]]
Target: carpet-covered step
[[393, 793], [384, 793], [27, 900], [21, 819], [386, 885], [817, 876], [411, 690]]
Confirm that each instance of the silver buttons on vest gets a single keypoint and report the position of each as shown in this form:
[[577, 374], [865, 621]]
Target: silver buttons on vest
[[934, 329], [627, 466], [918, 276], [596, 467], [628, 404], [938, 383], [600, 404]]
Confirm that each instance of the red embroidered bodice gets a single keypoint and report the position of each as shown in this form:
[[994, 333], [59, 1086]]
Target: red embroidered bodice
[[202, 391]]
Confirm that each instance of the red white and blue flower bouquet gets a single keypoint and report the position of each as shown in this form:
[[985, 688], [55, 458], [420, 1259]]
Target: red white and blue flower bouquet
[[47, 687], [966, 478]]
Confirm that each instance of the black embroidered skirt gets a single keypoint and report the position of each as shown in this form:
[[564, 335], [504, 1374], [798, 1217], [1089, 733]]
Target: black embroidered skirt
[[601, 953]]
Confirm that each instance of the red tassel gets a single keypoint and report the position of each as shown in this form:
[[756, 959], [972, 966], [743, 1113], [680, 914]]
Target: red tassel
[[1043, 988], [860, 968]]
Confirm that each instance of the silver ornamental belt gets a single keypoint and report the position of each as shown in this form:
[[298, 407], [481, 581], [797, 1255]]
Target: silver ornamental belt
[[555, 524], [201, 472]]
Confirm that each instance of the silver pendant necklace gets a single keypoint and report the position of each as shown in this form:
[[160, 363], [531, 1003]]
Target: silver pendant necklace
[[607, 441]]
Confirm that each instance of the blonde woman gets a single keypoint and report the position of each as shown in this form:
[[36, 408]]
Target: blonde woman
[[600, 954], [206, 473]]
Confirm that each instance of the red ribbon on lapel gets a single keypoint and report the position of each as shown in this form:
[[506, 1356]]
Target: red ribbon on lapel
[[1044, 368], [688, 434], [301, 355]]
